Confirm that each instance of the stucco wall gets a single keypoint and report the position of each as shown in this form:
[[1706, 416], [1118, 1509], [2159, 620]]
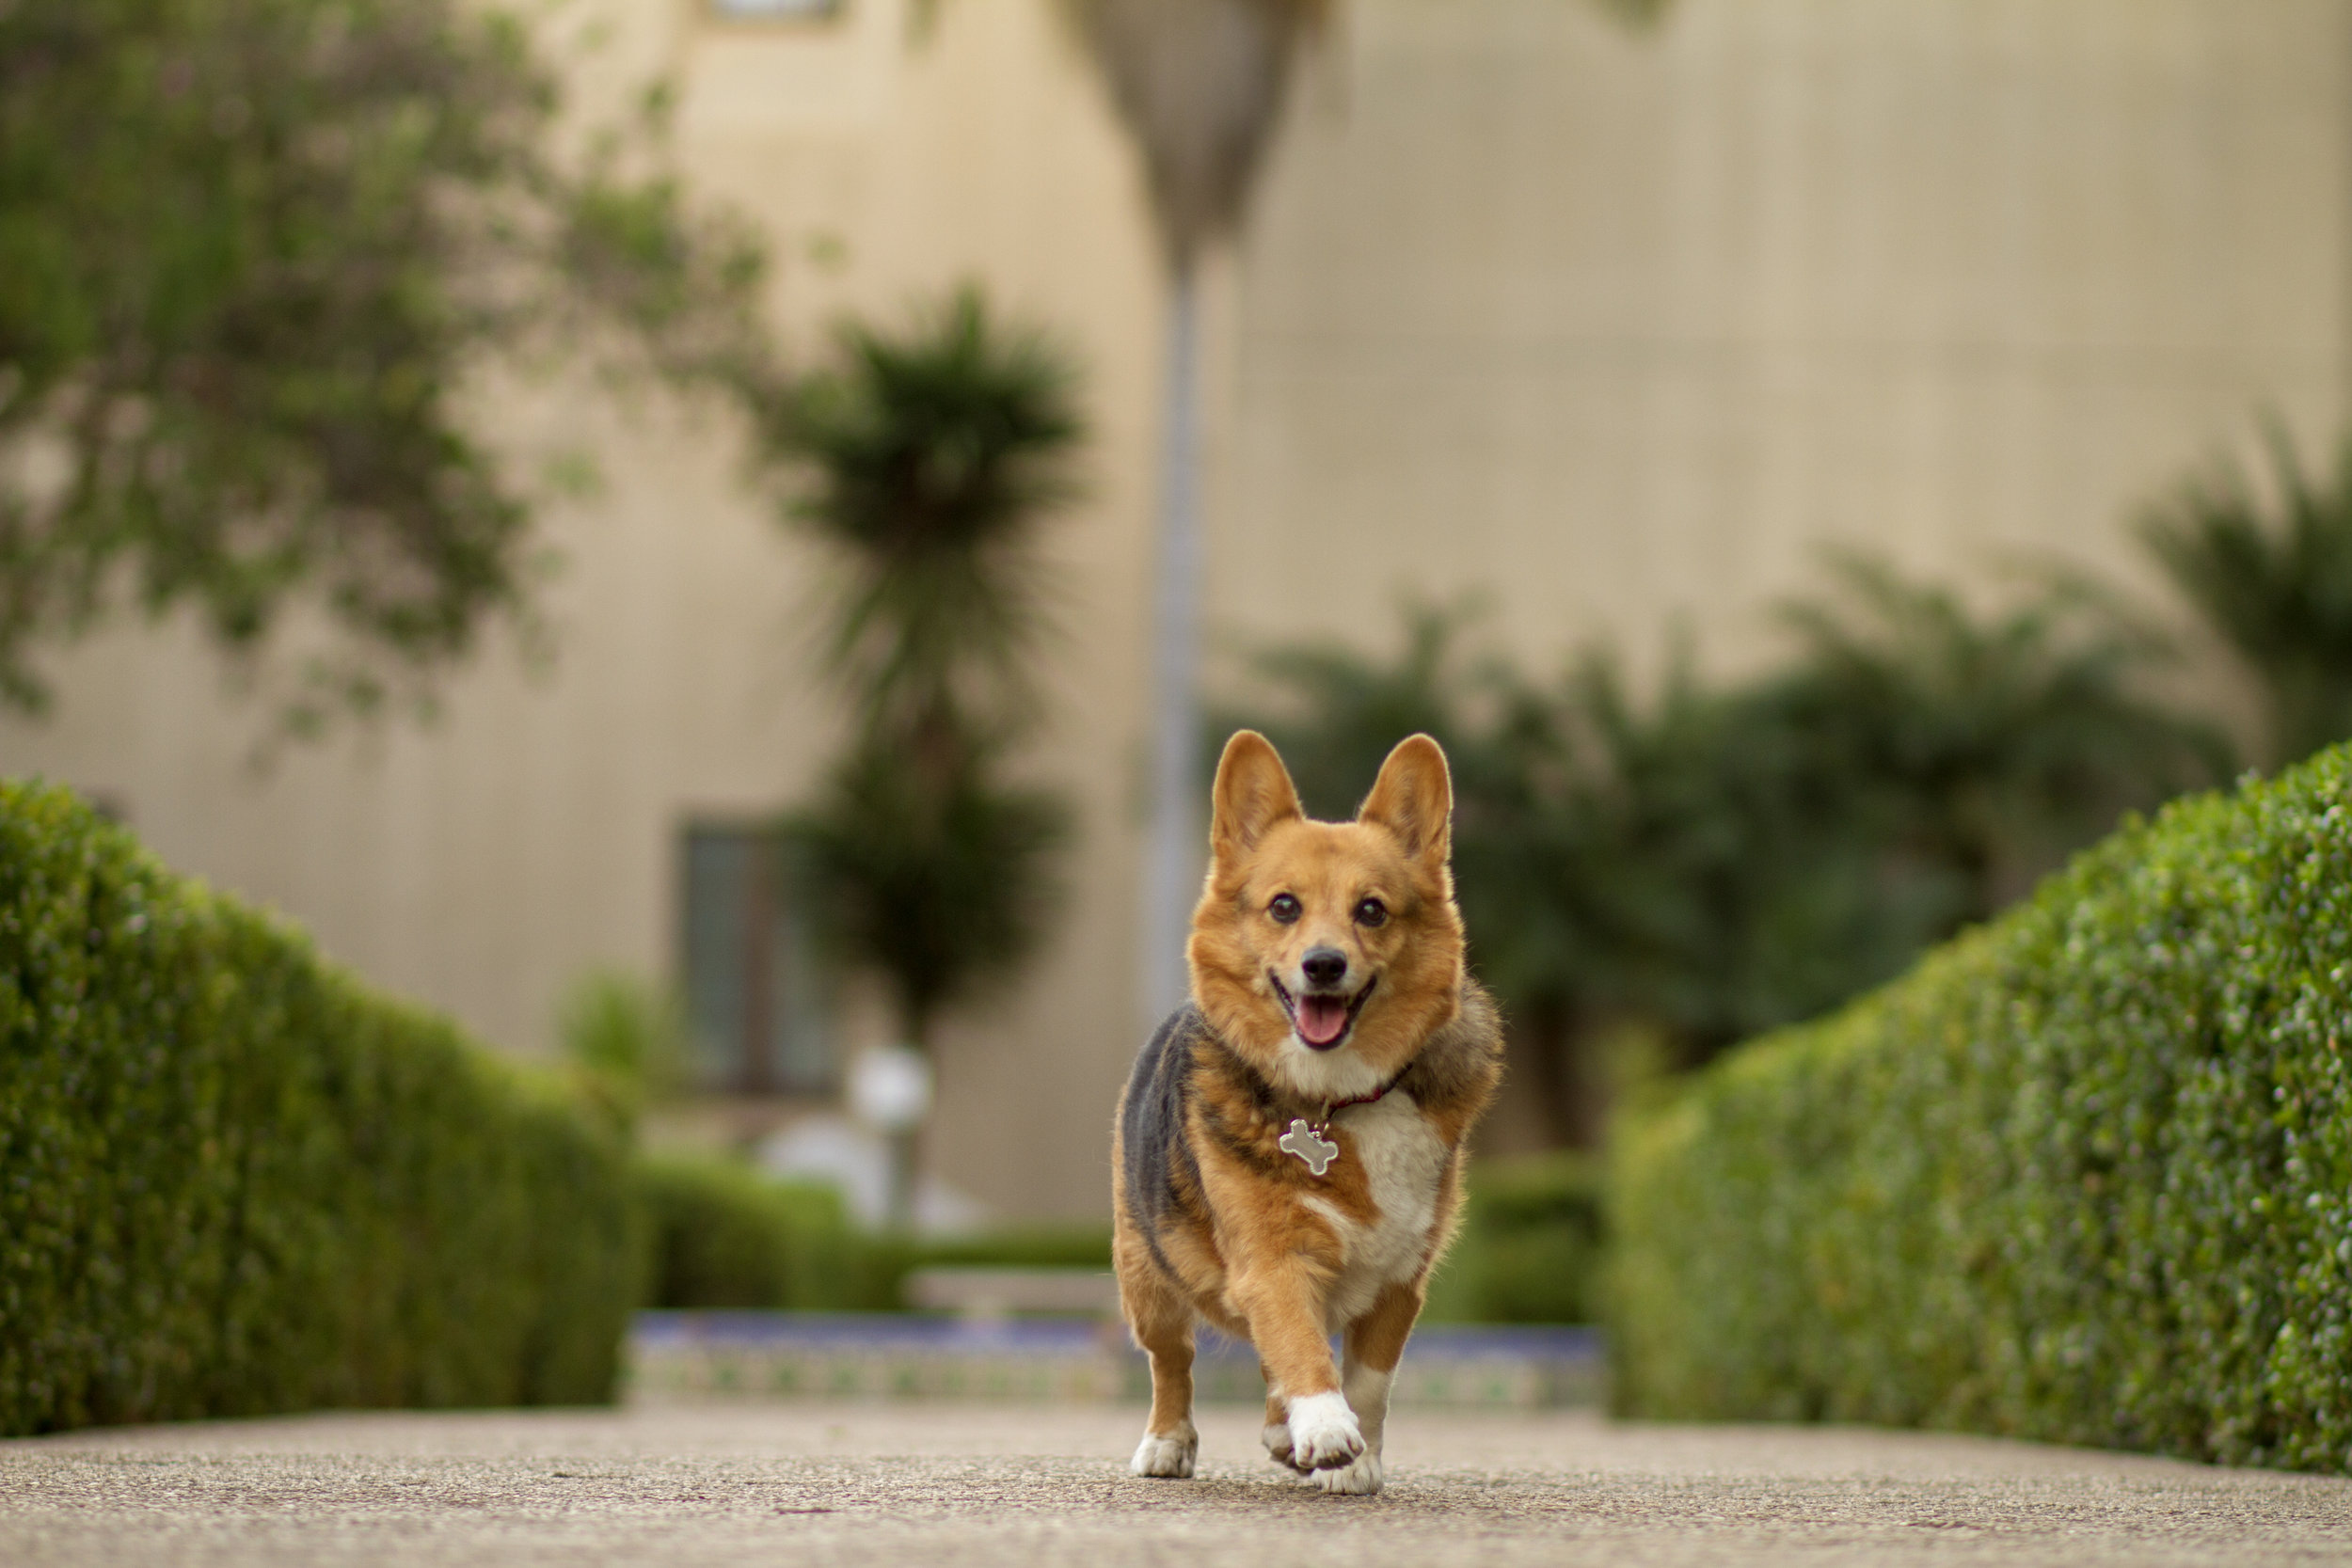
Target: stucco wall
[[1619, 327]]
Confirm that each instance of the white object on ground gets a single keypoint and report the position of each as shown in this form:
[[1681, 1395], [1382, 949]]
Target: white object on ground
[[836, 1152]]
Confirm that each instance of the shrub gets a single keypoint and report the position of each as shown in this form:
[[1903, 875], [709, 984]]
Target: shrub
[[234, 1180], [1031, 1247], [1530, 1246], [722, 1235], [2085, 1175]]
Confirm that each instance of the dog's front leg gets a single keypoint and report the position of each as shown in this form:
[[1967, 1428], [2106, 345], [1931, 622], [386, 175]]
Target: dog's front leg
[[1162, 1327], [1371, 1348], [1279, 1302]]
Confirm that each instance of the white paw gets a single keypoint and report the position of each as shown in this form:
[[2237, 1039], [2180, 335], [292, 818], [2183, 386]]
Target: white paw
[[1324, 1434], [1171, 1455], [1358, 1479], [1276, 1438]]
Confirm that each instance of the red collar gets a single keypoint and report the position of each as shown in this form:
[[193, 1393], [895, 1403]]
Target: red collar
[[1336, 1106]]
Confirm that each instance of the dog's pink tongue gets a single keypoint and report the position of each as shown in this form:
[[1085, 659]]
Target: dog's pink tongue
[[1321, 1019]]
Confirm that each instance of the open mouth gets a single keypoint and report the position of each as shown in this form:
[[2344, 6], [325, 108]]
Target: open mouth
[[1322, 1018]]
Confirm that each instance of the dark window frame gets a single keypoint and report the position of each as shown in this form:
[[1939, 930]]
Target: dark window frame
[[758, 1003]]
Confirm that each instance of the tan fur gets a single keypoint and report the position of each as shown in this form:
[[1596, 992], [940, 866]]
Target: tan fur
[[1246, 1238]]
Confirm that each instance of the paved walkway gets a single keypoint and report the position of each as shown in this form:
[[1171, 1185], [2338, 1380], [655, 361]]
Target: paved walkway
[[955, 1484]]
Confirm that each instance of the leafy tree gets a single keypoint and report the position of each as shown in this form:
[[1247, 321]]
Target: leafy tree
[[252, 255], [933, 458], [1718, 861], [2274, 585]]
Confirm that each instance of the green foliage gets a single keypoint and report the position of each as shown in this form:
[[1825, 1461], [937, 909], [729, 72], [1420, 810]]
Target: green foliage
[[238, 1181], [1530, 1249], [1033, 1246], [2082, 1176], [250, 253], [1717, 862], [2276, 589], [933, 458], [625, 1040], [725, 1236], [944, 885], [722, 1235]]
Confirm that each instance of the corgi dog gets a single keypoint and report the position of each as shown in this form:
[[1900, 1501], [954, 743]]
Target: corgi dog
[[1287, 1157]]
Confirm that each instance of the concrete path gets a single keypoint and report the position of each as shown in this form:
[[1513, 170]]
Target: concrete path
[[809, 1484]]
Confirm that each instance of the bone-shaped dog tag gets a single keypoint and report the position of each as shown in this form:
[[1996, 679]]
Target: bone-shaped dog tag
[[1310, 1146]]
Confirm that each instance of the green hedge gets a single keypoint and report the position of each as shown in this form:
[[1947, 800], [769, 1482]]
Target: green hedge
[[2085, 1175], [1530, 1247], [233, 1180], [725, 1236], [722, 1235]]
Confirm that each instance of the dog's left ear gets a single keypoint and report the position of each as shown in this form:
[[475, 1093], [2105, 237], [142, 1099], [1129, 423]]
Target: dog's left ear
[[1253, 793], [1413, 798]]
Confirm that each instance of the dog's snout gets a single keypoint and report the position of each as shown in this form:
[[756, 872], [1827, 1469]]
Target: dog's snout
[[1324, 966]]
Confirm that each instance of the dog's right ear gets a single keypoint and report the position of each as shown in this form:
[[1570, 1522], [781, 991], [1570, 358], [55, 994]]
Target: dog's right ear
[[1253, 793]]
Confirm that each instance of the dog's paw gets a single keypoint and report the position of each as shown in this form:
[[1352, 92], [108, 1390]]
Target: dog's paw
[[1324, 1434], [1276, 1438], [1360, 1477], [1170, 1455]]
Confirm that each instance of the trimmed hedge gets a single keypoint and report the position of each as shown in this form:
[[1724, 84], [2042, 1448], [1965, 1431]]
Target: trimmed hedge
[[2085, 1175], [1530, 1247], [722, 1235], [235, 1180], [725, 1236]]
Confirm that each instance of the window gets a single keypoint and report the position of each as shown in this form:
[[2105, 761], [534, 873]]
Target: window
[[755, 1000]]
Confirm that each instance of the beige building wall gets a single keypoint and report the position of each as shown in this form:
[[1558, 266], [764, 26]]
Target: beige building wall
[[1618, 326], [1612, 326]]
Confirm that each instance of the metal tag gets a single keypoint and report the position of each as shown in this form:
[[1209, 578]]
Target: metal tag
[[1309, 1145]]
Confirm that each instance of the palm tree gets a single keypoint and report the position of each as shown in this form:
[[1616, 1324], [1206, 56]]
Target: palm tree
[[1199, 84], [1716, 861], [935, 457], [2276, 589]]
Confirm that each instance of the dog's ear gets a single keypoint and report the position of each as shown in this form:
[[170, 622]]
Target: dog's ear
[[1413, 798], [1253, 793]]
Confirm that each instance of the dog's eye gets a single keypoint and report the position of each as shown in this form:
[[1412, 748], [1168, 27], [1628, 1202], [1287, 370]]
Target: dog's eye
[[1284, 909], [1372, 913]]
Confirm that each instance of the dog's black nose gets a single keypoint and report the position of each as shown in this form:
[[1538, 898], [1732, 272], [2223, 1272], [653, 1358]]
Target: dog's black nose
[[1324, 966]]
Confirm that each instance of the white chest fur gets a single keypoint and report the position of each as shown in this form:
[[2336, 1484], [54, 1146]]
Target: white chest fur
[[1403, 1162]]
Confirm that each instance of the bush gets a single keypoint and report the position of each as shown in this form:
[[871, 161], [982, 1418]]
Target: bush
[[1530, 1246], [235, 1180], [722, 1235], [1029, 1246], [2085, 1175]]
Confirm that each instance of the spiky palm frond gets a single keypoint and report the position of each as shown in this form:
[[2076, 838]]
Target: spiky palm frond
[[2013, 736], [1717, 860], [935, 457], [2275, 586], [944, 885]]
